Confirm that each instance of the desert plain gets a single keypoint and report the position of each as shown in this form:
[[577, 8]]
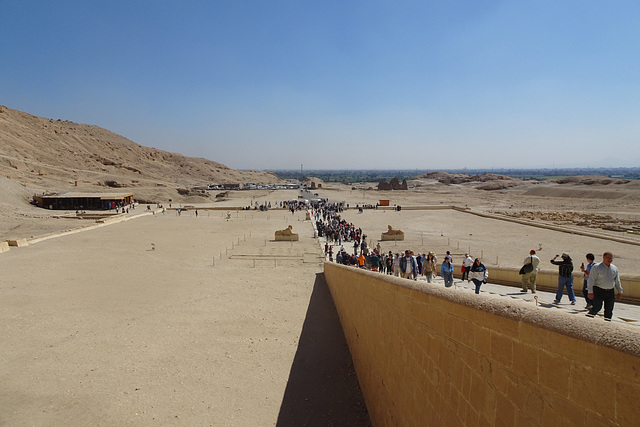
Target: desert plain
[[167, 318]]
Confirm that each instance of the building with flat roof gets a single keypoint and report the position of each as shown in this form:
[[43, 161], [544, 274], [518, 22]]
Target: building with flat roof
[[75, 201]]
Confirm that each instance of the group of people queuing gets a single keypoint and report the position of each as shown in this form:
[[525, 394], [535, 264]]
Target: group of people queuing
[[407, 264], [291, 205], [600, 284], [601, 280]]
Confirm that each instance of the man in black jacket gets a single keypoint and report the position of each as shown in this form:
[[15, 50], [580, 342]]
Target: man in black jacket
[[565, 277]]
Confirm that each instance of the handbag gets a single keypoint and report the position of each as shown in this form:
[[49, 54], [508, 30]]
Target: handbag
[[527, 268]]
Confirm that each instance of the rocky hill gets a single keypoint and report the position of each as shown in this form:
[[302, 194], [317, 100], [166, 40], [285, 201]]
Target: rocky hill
[[58, 155]]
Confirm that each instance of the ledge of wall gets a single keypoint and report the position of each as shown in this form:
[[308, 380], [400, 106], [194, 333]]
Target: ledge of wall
[[426, 355]]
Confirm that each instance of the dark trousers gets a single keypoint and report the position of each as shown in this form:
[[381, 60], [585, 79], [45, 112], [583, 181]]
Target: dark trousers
[[478, 283], [465, 275], [600, 296], [585, 293]]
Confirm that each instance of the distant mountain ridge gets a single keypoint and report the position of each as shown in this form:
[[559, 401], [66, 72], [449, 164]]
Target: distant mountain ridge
[[55, 154]]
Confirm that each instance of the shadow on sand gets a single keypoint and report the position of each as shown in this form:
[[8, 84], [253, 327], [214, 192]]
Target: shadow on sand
[[323, 388]]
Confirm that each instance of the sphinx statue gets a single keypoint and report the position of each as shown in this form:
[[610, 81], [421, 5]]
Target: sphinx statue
[[392, 234], [287, 235]]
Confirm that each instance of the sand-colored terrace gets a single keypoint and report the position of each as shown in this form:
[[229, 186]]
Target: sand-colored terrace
[[168, 319], [100, 328]]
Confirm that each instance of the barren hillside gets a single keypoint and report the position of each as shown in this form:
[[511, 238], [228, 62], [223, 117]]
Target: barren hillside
[[48, 154]]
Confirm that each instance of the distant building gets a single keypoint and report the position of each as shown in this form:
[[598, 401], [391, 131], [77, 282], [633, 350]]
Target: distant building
[[74, 201], [394, 184]]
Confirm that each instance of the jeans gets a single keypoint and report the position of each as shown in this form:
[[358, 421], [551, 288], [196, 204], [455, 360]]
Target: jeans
[[448, 279], [585, 292], [608, 296], [568, 282], [429, 276], [478, 283]]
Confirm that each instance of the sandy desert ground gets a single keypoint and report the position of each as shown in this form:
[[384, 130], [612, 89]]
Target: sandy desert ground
[[185, 320], [218, 325], [178, 320]]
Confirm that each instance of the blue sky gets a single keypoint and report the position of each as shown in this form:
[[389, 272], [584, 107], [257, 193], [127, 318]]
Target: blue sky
[[338, 84]]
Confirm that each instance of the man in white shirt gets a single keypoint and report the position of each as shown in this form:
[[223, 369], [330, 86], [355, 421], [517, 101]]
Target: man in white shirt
[[467, 262], [603, 279], [529, 279]]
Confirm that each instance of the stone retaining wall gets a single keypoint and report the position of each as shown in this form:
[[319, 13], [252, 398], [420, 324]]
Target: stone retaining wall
[[426, 355]]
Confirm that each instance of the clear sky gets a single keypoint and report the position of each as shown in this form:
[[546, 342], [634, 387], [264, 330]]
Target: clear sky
[[269, 84]]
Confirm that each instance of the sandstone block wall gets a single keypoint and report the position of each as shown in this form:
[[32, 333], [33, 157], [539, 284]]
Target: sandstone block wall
[[426, 355]]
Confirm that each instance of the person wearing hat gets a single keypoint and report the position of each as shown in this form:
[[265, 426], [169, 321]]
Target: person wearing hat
[[565, 277], [467, 262], [529, 278]]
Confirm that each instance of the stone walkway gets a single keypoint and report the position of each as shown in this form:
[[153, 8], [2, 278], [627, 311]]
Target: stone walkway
[[622, 312]]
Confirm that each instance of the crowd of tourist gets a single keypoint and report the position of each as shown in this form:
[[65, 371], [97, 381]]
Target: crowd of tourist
[[601, 286], [351, 248]]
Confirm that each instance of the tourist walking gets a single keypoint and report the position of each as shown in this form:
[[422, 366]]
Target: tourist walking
[[467, 262], [446, 271], [565, 277], [397, 271], [389, 263], [529, 272], [478, 274], [429, 267], [408, 265], [586, 271], [603, 281], [374, 260], [361, 260]]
